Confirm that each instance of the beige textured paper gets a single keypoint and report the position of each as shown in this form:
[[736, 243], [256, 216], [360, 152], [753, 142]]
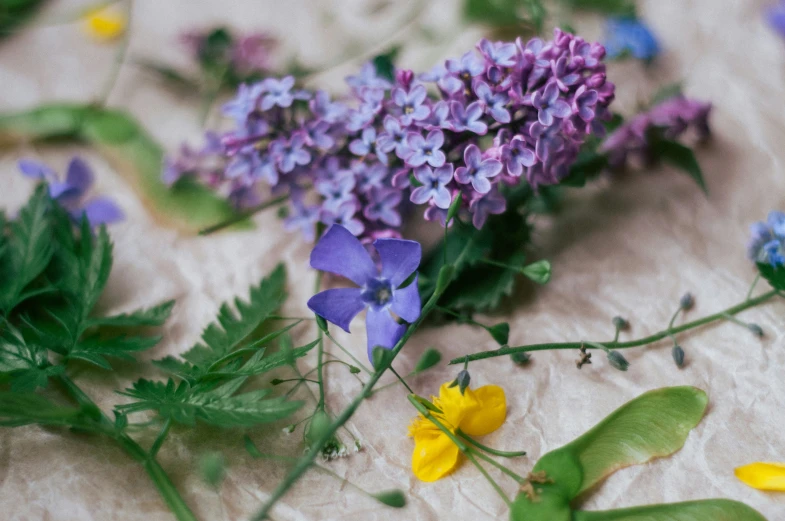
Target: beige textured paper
[[630, 248]]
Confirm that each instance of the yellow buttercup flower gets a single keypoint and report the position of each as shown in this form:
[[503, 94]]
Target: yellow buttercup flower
[[476, 413], [105, 23], [763, 476]]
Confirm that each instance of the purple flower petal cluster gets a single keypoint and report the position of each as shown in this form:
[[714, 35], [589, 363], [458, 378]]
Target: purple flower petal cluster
[[242, 56], [671, 119], [767, 241], [379, 288], [363, 160], [72, 192]]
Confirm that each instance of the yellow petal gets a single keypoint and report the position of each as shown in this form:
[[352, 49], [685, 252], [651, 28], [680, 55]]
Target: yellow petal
[[434, 456], [490, 413], [105, 23], [763, 476], [455, 405]]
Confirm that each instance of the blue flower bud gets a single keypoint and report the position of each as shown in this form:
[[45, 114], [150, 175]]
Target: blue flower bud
[[687, 301], [462, 381], [618, 361], [678, 356]]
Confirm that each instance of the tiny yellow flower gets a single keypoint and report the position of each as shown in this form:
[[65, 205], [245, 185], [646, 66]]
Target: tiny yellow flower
[[763, 476], [105, 23], [476, 413]]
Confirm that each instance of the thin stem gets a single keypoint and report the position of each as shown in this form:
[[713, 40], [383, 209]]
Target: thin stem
[[161, 438], [500, 265], [752, 286], [738, 308], [119, 60], [401, 380], [470, 454], [485, 457], [348, 353], [735, 320], [319, 349], [489, 450], [307, 459], [279, 317], [244, 215], [154, 470], [298, 380]]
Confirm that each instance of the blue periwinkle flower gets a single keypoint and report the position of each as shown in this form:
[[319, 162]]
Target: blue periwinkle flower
[[630, 36]]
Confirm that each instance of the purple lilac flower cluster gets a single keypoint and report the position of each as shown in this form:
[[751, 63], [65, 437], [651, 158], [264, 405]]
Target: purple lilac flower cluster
[[244, 55], [509, 113], [671, 118]]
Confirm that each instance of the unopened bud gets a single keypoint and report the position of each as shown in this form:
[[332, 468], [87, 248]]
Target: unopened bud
[[620, 323], [462, 381], [618, 361], [755, 329], [521, 358], [687, 301], [678, 356]]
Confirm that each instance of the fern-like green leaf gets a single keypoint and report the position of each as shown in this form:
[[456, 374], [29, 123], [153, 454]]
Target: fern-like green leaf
[[151, 317]]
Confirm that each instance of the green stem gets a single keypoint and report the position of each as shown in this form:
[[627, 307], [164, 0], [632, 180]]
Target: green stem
[[244, 215], [154, 470], [470, 454], [752, 286], [319, 349], [513, 475], [307, 459], [489, 450], [738, 308], [119, 60], [159, 441], [401, 380], [348, 353]]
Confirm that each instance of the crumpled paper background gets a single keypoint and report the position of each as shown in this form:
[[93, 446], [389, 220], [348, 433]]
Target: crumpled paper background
[[628, 247]]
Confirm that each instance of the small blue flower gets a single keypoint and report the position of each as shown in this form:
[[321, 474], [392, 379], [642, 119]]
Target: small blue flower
[[71, 194], [379, 290], [767, 241], [467, 118], [628, 35], [433, 185], [477, 170], [495, 103], [277, 92], [421, 150]]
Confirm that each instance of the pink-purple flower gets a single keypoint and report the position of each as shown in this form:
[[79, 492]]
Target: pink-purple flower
[[478, 170], [434, 185], [379, 289]]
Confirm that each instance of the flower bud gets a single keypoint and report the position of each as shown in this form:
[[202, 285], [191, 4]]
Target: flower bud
[[620, 323], [687, 301], [618, 361], [521, 358], [678, 356], [462, 381], [755, 329], [596, 80]]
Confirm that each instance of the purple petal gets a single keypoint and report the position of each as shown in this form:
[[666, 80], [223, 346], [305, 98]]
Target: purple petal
[[442, 198], [400, 258], [420, 195], [340, 252], [406, 302], [36, 170], [102, 210], [436, 138], [382, 330], [489, 168], [550, 93], [561, 109], [472, 156], [437, 159], [481, 184], [338, 306], [474, 111], [527, 157], [444, 173], [545, 117]]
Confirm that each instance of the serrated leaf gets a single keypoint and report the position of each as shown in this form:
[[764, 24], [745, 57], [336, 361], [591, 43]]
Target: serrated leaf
[[653, 425], [17, 409], [709, 510], [681, 157], [182, 405], [95, 349], [28, 380], [30, 247], [151, 317], [258, 363], [220, 338]]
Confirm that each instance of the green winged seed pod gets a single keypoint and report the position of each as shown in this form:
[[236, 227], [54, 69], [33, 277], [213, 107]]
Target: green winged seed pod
[[653, 425]]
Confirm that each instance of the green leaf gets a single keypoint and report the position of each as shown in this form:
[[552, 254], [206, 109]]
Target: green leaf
[[505, 13], [258, 363], [14, 13], [653, 425], [17, 409], [172, 77], [220, 338], [611, 7], [381, 357], [28, 380], [774, 276], [94, 349], [317, 427], [154, 316], [392, 498], [30, 247], [681, 157], [429, 358], [500, 333], [385, 63], [709, 510], [213, 468], [185, 405]]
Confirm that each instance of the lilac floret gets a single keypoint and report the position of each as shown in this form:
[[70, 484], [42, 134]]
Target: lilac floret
[[477, 171], [422, 150], [434, 186]]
